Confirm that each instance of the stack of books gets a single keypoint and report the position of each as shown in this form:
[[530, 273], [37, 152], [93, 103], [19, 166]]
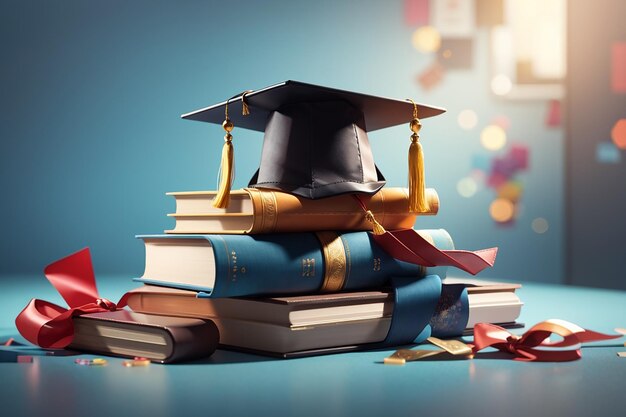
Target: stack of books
[[298, 271], [288, 276]]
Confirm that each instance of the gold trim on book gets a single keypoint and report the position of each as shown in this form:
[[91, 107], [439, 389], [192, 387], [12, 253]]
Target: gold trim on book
[[268, 212], [335, 262]]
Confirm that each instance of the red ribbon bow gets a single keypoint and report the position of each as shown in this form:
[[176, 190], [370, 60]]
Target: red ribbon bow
[[534, 344], [50, 326]]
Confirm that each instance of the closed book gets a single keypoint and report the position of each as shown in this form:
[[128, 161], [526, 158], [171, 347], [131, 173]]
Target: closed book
[[160, 338], [300, 325], [277, 264], [257, 211]]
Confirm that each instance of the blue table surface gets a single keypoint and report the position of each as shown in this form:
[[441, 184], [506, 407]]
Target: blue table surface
[[356, 384]]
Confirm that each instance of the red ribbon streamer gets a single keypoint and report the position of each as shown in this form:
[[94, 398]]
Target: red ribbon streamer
[[534, 344], [50, 326], [409, 246]]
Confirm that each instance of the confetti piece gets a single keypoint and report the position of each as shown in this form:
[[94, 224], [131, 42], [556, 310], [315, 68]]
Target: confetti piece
[[402, 356], [455, 347], [621, 354], [94, 362], [411, 355], [8, 342], [394, 361], [620, 330], [138, 361], [24, 359]]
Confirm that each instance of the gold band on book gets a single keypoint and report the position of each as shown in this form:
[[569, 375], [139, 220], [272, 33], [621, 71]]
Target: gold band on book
[[268, 210], [335, 262]]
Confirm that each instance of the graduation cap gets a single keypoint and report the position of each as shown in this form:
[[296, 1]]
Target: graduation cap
[[315, 143]]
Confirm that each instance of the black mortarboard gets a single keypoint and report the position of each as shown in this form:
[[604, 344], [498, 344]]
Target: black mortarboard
[[315, 142]]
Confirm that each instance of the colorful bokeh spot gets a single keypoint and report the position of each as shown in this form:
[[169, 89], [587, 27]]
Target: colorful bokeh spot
[[467, 119], [467, 187], [608, 153], [618, 134], [501, 85], [502, 210], [501, 173], [427, 39], [493, 137], [510, 190], [502, 121], [540, 225]]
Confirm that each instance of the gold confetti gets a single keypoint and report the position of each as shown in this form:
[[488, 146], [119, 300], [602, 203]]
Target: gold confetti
[[452, 346], [621, 354], [136, 362], [394, 361], [400, 357]]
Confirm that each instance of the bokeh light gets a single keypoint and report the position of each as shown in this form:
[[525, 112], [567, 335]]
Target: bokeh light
[[618, 134], [608, 153], [427, 39], [493, 137], [467, 187], [503, 121], [511, 190], [540, 225], [502, 210], [467, 119], [478, 175], [501, 85]]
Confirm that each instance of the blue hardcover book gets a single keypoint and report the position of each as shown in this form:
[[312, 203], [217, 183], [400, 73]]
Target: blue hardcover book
[[277, 264]]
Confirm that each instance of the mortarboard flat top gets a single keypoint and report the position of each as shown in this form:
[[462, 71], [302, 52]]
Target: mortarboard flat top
[[379, 112], [315, 142]]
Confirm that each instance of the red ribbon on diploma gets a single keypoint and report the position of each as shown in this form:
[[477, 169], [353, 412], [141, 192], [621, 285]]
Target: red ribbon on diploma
[[50, 326], [409, 246], [534, 344]]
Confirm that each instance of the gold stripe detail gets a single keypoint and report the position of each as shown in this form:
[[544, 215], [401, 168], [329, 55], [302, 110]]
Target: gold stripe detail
[[335, 262], [265, 209], [269, 212]]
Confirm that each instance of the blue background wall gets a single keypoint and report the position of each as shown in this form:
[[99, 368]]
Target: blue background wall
[[91, 139]]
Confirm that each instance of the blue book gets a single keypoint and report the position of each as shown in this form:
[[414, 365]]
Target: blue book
[[277, 264]]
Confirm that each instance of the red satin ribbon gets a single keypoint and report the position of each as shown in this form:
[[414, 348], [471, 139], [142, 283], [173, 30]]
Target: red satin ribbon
[[409, 246], [49, 325], [534, 345]]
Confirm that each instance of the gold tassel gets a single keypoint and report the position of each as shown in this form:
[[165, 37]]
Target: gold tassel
[[377, 228], [226, 167], [417, 183]]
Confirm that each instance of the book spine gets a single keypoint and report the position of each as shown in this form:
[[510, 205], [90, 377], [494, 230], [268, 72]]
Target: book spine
[[308, 263], [282, 212]]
